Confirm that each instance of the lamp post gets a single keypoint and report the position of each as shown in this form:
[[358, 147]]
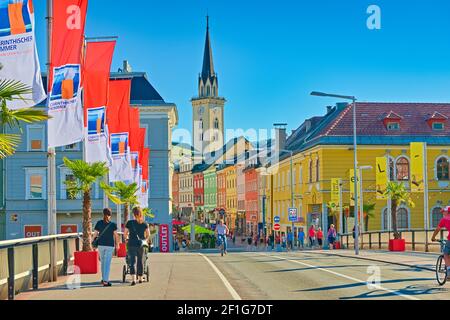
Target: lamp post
[[355, 155]]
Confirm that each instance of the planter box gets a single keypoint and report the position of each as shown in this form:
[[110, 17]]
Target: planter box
[[397, 245], [122, 253], [87, 262]]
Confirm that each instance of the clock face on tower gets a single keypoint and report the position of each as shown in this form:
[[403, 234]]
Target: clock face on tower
[[201, 110]]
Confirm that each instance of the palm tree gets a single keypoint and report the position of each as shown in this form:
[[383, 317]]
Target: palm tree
[[399, 195], [369, 213], [85, 176], [122, 193], [11, 90]]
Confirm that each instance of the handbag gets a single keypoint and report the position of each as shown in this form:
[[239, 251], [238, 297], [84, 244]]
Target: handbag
[[144, 242], [95, 241]]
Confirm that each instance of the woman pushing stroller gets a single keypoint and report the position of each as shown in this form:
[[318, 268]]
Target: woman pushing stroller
[[136, 234]]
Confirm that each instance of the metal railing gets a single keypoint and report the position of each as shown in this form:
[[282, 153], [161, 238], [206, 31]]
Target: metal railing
[[416, 239], [26, 263]]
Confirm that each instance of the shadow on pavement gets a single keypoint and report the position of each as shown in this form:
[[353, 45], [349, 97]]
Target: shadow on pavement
[[315, 268], [410, 291]]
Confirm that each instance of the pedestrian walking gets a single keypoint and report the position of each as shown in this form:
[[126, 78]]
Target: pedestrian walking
[[320, 237], [284, 240], [137, 233], [290, 240], [106, 239], [332, 235], [301, 238], [312, 236]]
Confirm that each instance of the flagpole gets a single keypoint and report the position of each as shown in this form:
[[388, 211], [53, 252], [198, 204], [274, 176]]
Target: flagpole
[[51, 189]]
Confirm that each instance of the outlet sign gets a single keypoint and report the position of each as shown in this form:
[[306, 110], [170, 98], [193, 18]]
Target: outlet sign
[[164, 241], [33, 231]]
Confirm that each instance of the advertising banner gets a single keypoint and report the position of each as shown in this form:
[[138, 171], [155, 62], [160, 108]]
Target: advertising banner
[[352, 186], [336, 185], [417, 167], [65, 79], [382, 178], [18, 54], [96, 139]]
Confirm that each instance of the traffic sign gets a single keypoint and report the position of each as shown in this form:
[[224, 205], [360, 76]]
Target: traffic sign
[[293, 214], [277, 227], [277, 219]]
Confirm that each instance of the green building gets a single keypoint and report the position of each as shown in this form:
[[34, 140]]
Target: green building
[[210, 178]]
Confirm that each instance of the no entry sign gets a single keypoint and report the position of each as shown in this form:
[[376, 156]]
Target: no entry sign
[[277, 227]]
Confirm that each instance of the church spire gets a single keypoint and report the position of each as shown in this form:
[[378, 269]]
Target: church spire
[[208, 64]]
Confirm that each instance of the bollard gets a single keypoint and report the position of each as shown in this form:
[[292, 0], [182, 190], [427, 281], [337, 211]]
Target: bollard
[[35, 267], [11, 274], [66, 256]]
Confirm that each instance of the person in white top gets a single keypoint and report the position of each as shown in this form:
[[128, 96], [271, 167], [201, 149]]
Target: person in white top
[[221, 232]]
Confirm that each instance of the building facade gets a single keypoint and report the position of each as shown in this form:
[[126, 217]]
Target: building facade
[[211, 193], [25, 175]]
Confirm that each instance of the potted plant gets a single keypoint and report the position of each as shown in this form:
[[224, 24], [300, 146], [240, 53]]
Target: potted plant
[[369, 213], [85, 176], [399, 195]]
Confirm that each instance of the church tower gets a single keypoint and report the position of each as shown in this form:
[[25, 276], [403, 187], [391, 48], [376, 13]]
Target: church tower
[[208, 108]]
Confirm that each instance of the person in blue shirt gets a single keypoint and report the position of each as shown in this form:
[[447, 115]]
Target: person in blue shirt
[[290, 240], [301, 238]]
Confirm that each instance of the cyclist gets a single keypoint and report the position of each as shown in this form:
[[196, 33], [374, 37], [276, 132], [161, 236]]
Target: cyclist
[[222, 232], [445, 223]]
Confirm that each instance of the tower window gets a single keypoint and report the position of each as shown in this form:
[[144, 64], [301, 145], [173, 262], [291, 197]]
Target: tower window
[[216, 124], [208, 90]]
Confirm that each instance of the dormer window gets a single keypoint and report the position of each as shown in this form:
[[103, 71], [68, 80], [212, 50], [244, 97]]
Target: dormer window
[[393, 126], [438, 126]]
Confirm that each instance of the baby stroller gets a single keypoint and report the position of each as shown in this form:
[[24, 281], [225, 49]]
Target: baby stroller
[[126, 267]]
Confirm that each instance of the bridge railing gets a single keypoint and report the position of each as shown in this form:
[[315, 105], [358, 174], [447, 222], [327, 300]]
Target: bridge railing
[[26, 263], [416, 240]]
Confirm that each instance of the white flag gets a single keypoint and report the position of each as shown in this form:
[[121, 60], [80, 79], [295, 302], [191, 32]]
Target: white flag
[[121, 169], [18, 54], [96, 137]]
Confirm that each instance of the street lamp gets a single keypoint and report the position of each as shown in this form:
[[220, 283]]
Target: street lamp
[[355, 151]]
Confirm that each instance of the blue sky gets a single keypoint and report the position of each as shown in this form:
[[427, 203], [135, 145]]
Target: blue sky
[[270, 55]]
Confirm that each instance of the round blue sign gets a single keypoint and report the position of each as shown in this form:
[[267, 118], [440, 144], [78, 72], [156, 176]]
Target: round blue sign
[[277, 219]]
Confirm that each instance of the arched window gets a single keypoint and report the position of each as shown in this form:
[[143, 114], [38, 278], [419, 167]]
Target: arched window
[[402, 219], [442, 169], [208, 90], [310, 171], [216, 123], [402, 168], [317, 170], [214, 91], [202, 91], [436, 217]]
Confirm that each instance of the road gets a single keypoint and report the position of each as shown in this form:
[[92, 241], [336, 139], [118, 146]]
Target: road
[[258, 276]]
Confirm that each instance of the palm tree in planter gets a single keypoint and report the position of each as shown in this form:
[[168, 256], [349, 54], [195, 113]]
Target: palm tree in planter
[[399, 195], [85, 176], [121, 193], [369, 213]]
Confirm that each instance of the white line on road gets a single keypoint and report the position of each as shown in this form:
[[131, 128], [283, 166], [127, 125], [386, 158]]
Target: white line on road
[[227, 284], [346, 277]]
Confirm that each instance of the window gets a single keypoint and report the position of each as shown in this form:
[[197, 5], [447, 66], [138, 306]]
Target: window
[[72, 147], [442, 169], [36, 138], [317, 170], [436, 217], [216, 123], [402, 168], [402, 219], [66, 175], [391, 170], [36, 184], [310, 171], [208, 90], [393, 126], [438, 126]]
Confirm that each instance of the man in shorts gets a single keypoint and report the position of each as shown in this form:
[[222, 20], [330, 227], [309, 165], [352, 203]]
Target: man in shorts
[[445, 224]]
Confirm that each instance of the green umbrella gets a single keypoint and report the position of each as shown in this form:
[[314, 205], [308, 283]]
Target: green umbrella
[[198, 230]]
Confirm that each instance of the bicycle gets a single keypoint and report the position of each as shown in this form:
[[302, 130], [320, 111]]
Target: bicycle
[[221, 244], [441, 268]]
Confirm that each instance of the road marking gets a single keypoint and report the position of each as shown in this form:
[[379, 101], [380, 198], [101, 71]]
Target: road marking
[[344, 276], [227, 284]]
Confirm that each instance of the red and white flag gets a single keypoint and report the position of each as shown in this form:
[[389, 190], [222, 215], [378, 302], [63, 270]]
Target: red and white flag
[[65, 79]]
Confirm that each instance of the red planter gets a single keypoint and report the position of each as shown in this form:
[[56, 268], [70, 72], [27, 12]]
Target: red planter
[[87, 262], [122, 253], [337, 245], [397, 245]]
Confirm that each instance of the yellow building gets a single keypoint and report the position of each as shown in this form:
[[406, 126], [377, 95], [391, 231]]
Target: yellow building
[[323, 150], [231, 195]]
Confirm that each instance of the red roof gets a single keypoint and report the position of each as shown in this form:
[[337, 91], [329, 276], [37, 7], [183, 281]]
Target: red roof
[[371, 116]]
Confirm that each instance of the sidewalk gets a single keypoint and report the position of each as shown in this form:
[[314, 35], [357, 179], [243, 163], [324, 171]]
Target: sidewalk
[[418, 260]]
